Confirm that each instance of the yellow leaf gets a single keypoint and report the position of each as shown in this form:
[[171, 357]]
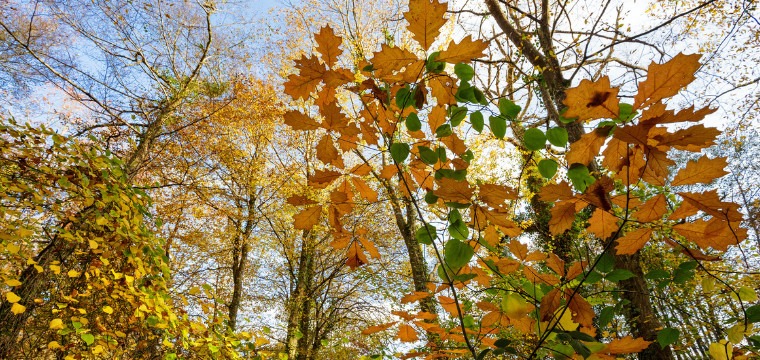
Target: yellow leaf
[[56, 324], [12, 248], [722, 350], [97, 349], [12, 282], [93, 244], [425, 19], [12, 297], [18, 308], [55, 269], [73, 273], [54, 345], [107, 309]]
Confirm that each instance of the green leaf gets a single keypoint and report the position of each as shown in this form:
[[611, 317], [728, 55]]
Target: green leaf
[[657, 274], [682, 275], [458, 230], [618, 275], [508, 109], [753, 314], [468, 156], [557, 136], [626, 113], [581, 336], [426, 234], [457, 254], [431, 198], [441, 153], [477, 121], [606, 263], [465, 93], [87, 338], [534, 139], [667, 336], [593, 278], [580, 177], [606, 315], [547, 168], [498, 126], [427, 155], [434, 66], [458, 113], [399, 152], [502, 343], [443, 131], [464, 71], [404, 98], [413, 122]]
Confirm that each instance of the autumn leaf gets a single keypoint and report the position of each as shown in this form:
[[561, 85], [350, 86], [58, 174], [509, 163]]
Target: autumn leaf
[[694, 138], [633, 241], [415, 296], [465, 51], [300, 86], [626, 345], [298, 200], [704, 170], [425, 17], [17, 308], [496, 195], [407, 333], [583, 313], [355, 256], [307, 218], [327, 153], [366, 192], [563, 215], [454, 191], [586, 148], [378, 328], [392, 59], [323, 178], [602, 224], [299, 121], [652, 209], [665, 80], [449, 304], [549, 304], [592, 100], [328, 44], [12, 297], [555, 192]]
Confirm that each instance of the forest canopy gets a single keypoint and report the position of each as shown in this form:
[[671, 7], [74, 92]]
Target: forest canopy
[[379, 179]]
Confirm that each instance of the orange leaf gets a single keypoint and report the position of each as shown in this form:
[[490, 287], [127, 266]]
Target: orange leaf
[[297, 200], [665, 80], [626, 345], [710, 203], [602, 224], [443, 88], [592, 100], [366, 192], [615, 155], [703, 170], [652, 209], [370, 247], [454, 191], [392, 59], [323, 178], [632, 134], [328, 44], [583, 313], [693, 138], [656, 170], [496, 195], [415, 296], [554, 192], [425, 19], [549, 304], [633, 241], [449, 305], [299, 121], [556, 264], [378, 328], [355, 257], [311, 74], [465, 51], [563, 215], [586, 148], [307, 218]]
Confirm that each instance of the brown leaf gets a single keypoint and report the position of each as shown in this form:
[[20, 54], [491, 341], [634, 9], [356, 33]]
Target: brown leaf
[[443, 88], [556, 264], [370, 247], [323, 178], [652, 209], [299, 121], [449, 304], [378, 328], [297, 200], [464, 52], [586, 148], [454, 191], [656, 170], [694, 138], [407, 333], [704, 170], [602, 224], [583, 313], [665, 80], [355, 257], [563, 215], [366, 192], [311, 74], [415, 296], [496, 195], [328, 44], [592, 100], [632, 134], [307, 218], [327, 153], [425, 19], [710, 203], [555, 192], [393, 59], [549, 304], [633, 241], [615, 155]]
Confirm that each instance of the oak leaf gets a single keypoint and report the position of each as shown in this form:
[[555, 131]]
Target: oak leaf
[[694, 138], [444, 89], [657, 163], [407, 333], [465, 51], [366, 192], [615, 155], [704, 170], [496, 195], [307, 218], [328, 44], [312, 72], [425, 17], [586, 148], [652, 209], [355, 256], [549, 304], [602, 224], [454, 191], [592, 100], [299, 121], [633, 241], [555, 192], [449, 304], [327, 153], [297, 200], [583, 313], [665, 80], [393, 59], [323, 178], [563, 215]]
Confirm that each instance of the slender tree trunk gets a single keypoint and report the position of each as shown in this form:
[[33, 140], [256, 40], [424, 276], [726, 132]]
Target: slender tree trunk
[[300, 298]]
